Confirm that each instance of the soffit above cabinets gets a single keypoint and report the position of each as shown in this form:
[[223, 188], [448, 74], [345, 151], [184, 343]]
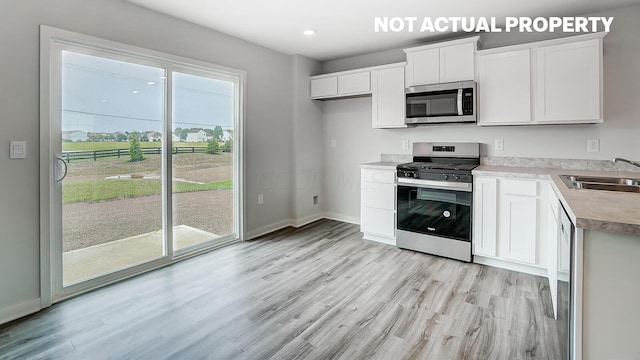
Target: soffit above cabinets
[[346, 28]]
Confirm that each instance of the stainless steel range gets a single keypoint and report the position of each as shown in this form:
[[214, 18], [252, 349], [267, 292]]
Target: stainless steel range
[[434, 199]]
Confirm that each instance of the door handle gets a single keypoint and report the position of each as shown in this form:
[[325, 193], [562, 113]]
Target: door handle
[[64, 175]]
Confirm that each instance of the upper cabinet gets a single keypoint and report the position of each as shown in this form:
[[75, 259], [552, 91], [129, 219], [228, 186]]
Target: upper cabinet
[[569, 82], [504, 87], [442, 62], [339, 85], [388, 104], [549, 82]]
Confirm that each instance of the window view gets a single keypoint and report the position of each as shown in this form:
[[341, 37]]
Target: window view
[[112, 131], [203, 114], [112, 125]]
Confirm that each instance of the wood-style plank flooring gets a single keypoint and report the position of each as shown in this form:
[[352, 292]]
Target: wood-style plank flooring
[[318, 292]]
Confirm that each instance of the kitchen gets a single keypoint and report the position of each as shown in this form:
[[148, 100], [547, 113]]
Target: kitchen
[[300, 163]]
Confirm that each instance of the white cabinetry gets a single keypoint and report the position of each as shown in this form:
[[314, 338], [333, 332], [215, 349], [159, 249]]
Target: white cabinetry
[[504, 87], [518, 220], [442, 62], [378, 205], [548, 82], [485, 216], [343, 84], [510, 224], [569, 82], [388, 103]]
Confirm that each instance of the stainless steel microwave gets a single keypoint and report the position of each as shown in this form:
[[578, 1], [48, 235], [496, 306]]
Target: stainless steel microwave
[[441, 103]]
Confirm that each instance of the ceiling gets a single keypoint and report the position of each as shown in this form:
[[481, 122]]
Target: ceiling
[[346, 27]]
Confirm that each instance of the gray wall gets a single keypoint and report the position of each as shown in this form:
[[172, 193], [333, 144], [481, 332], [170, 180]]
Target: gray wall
[[267, 129], [349, 121]]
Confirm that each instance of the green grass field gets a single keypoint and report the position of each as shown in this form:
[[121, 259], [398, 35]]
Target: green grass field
[[100, 190], [71, 146]]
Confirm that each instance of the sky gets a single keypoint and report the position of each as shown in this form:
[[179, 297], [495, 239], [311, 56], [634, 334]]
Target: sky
[[105, 95]]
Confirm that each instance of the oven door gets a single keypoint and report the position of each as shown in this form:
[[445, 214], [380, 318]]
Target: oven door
[[437, 212]]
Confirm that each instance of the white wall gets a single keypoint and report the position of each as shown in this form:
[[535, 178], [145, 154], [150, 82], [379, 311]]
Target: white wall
[[349, 121], [307, 151], [267, 128]]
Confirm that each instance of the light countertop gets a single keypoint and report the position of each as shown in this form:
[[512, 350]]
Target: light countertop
[[382, 165], [614, 212]]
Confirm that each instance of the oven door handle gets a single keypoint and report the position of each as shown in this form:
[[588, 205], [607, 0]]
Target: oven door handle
[[440, 185]]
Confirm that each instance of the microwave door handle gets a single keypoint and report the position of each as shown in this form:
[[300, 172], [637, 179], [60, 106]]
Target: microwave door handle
[[460, 102]]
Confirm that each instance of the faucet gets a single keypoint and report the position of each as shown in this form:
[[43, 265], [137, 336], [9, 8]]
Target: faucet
[[627, 161]]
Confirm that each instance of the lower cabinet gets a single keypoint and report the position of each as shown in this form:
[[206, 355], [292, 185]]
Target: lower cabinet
[[511, 223], [378, 205]]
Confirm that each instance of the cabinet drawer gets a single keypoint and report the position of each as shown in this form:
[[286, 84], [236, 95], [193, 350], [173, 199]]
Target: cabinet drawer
[[378, 221], [378, 195], [354, 83], [519, 187], [381, 176]]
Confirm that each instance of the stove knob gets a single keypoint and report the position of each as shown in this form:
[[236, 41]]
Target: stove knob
[[415, 175], [456, 177], [446, 177]]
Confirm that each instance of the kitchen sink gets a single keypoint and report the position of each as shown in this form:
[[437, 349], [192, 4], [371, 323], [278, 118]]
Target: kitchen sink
[[602, 183]]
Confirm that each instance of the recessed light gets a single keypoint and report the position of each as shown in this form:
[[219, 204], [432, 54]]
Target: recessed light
[[103, 101], [151, 83], [163, 77], [135, 91], [309, 32]]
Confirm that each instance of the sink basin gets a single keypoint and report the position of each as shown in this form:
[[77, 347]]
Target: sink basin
[[603, 180], [602, 183]]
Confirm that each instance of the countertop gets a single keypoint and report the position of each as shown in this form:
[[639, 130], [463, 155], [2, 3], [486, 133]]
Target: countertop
[[614, 212], [382, 165]]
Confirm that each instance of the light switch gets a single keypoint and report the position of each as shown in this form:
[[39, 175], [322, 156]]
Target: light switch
[[18, 150], [593, 145], [333, 143]]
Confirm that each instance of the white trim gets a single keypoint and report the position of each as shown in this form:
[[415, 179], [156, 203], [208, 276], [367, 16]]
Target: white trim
[[267, 229], [10, 313], [340, 217], [536, 44], [359, 70], [523, 268], [306, 220]]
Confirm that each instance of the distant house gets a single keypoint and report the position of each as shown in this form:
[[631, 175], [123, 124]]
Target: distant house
[[175, 138], [197, 136], [153, 136], [75, 135], [227, 135]]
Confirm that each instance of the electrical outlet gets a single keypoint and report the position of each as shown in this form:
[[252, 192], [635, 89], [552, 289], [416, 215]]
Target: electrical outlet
[[260, 199], [499, 145], [593, 145], [333, 143], [405, 144]]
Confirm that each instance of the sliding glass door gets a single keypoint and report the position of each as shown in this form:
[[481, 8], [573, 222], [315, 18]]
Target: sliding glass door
[[141, 160]]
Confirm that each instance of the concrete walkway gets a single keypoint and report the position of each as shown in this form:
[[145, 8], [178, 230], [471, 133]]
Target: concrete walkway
[[86, 263]]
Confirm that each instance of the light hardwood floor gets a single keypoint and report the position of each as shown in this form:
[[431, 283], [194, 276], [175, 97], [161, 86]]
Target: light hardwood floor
[[318, 292]]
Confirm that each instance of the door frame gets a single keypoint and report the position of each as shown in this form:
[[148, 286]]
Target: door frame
[[51, 42]]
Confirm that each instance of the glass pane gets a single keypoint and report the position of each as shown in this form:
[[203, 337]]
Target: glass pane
[[112, 114], [203, 120]]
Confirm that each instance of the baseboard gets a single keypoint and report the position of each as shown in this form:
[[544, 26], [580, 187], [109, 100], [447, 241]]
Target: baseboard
[[267, 229], [10, 313], [523, 268], [343, 218], [307, 219], [380, 239]]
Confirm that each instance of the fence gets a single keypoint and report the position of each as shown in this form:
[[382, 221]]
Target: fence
[[94, 155]]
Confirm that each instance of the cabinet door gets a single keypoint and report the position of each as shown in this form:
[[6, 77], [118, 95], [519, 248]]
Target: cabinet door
[[378, 221], [568, 82], [485, 216], [504, 87], [388, 100], [457, 63], [423, 67], [519, 228], [358, 83], [324, 87]]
